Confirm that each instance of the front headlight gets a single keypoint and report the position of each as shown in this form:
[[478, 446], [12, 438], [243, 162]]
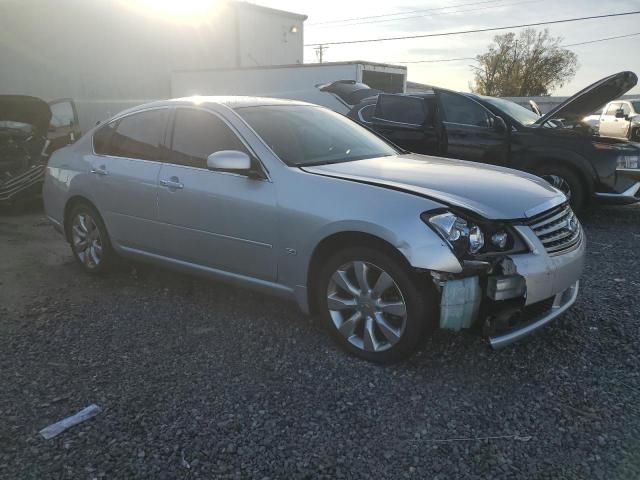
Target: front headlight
[[463, 236], [628, 161], [467, 238]]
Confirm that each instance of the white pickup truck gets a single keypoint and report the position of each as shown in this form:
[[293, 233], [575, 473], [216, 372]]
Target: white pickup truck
[[621, 119]]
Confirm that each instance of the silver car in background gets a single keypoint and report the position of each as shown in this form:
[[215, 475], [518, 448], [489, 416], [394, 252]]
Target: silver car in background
[[302, 202]]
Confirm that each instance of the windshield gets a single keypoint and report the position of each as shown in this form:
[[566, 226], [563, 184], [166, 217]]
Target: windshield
[[304, 135], [636, 105], [520, 114]]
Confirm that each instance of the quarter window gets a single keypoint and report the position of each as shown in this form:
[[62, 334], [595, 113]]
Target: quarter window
[[135, 136], [459, 109], [197, 134], [400, 109]]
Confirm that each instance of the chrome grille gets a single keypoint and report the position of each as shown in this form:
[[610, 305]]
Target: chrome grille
[[558, 229]]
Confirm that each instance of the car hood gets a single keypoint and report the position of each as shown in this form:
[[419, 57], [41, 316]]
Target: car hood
[[25, 109], [592, 98], [492, 192]]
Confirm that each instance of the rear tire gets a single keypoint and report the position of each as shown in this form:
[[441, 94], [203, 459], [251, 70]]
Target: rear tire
[[89, 239], [373, 305], [567, 181]]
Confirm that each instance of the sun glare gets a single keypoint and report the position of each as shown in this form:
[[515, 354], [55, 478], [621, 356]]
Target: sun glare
[[179, 11]]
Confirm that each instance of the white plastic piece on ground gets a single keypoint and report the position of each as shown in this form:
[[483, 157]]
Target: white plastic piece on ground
[[66, 423], [460, 303]]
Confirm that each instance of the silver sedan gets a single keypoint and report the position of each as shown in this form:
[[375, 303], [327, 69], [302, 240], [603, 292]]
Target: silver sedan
[[299, 201]]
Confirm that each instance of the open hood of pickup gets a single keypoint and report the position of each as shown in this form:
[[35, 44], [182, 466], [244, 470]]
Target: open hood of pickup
[[591, 98]]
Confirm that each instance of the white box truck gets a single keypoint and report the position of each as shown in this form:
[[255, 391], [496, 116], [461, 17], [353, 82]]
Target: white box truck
[[297, 82]]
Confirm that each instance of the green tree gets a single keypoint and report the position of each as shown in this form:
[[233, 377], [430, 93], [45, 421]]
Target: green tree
[[530, 64]]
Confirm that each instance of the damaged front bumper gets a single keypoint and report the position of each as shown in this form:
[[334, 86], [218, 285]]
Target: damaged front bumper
[[18, 185], [514, 295]]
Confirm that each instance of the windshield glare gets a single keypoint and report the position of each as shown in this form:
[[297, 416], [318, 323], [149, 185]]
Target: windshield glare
[[520, 114], [304, 135]]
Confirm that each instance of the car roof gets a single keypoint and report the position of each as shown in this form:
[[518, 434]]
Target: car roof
[[229, 101]]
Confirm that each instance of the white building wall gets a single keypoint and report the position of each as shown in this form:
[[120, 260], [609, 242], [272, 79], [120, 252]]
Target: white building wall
[[107, 55]]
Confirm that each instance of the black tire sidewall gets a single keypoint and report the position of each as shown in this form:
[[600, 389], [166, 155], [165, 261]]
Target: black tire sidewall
[[419, 296], [107, 251]]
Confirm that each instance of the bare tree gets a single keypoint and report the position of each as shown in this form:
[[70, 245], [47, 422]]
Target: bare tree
[[531, 64]]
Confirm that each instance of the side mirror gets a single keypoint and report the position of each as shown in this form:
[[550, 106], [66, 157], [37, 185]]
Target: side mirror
[[499, 125], [619, 114], [229, 161]]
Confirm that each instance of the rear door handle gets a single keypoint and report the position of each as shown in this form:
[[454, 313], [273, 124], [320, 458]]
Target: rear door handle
[[172, 184], [100, 170]]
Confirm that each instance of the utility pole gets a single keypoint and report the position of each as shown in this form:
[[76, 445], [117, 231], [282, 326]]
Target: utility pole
[[320, 49]]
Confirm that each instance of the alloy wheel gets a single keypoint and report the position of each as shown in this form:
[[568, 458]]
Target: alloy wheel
[[87, 242], [366, 306], [559, 183]]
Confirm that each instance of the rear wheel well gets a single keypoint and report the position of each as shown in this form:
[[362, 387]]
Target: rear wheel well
[[339, 241], [68, 208]]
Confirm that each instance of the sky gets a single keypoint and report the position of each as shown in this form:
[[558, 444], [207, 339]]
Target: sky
[[595, 60]]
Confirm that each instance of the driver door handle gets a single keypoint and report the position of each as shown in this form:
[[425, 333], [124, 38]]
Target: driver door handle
[[172, 184], [100, 170]]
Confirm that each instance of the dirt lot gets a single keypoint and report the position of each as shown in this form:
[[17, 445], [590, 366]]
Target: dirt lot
[[200, 380]]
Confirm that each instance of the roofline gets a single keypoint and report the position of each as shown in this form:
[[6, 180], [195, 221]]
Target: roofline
[[291, 65], [274, 11]]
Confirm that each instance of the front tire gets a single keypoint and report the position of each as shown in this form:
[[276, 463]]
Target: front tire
[[89, 239], [568, 182], [374, 305]]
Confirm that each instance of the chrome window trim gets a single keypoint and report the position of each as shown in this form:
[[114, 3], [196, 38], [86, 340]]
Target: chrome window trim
[[117, 118], [233, 130]]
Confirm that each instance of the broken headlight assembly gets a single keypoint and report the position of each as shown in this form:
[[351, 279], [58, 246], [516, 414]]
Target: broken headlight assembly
[[468, 238]]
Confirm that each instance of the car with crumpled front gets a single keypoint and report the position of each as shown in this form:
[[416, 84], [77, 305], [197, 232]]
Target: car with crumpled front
[[301, 202]]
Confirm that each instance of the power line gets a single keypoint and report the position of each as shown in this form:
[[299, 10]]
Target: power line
[[601, 40], [478, 30], [562, 46], [409, 17], [399, 13]]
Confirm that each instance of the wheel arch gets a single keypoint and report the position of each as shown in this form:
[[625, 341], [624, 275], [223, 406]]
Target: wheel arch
[[341, 240], [570, 160], [72, 202]]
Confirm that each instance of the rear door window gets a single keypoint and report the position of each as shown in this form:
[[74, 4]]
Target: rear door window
[[197, 134], [462, 110], [400, 109], [136, 136]]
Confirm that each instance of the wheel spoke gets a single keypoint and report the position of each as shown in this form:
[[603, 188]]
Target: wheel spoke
[[78, 231], [336, 303], [94, 256], [361, 269], [383, 283], [82, 244], [349, 326], [394, 308], [369, 339], [86, 259], [82, 224], [340, 278], [391, 334]]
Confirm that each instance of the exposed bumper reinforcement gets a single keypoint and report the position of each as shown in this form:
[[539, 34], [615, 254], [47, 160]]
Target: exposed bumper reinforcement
[[562, 301]]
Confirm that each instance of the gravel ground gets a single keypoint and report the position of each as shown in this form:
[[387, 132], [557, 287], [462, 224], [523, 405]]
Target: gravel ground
[[200, 380]]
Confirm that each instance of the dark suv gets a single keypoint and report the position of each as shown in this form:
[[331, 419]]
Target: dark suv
[[557, 146]]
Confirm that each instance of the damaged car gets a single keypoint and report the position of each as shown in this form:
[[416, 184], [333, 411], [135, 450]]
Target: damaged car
[[297, 200], [30, 130], [558, 146]]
